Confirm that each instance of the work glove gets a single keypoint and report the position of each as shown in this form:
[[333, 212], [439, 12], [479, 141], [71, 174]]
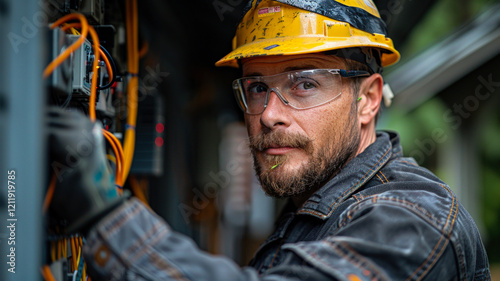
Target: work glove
[[85, 191]]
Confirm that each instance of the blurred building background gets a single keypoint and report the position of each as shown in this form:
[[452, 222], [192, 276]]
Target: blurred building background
[[446, 87]]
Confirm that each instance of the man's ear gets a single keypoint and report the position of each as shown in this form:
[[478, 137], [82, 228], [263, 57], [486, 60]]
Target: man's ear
[[370, 93]]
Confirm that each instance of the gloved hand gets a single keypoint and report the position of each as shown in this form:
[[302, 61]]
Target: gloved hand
[[85, 190]]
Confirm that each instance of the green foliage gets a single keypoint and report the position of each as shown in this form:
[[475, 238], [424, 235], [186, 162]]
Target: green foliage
[[443, 18], [490, 177]]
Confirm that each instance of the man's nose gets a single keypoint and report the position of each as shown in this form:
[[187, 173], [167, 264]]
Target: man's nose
[[276, 113]]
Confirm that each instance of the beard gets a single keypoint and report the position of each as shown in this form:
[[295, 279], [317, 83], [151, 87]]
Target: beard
[[323, 163]]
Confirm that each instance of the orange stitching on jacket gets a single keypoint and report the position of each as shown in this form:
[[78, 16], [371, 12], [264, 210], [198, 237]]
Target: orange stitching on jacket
[[443, 234], [453, 206], [384, 176], [275, 254], [356, 262], [118, 221], [380, 179]]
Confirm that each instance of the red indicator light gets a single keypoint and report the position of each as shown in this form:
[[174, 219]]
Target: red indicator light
[[159, 128], [159, 141]]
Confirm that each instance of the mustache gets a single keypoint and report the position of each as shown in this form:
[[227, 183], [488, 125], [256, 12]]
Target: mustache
[[265, 140]]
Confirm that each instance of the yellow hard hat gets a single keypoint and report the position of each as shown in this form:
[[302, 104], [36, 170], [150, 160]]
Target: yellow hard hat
[[291, 27]]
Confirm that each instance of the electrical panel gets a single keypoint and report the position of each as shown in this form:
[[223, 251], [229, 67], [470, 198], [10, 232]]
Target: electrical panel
[[114, 64], [82, 67], [148, 155], [61, 80]]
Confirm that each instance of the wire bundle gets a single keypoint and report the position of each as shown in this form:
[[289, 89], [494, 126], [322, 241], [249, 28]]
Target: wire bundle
[[69, 248], [124, 160], [118, 150], [123, 155], [98, 53]]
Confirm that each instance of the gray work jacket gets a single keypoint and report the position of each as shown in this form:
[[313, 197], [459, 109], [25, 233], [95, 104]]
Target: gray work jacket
[[382, 217]]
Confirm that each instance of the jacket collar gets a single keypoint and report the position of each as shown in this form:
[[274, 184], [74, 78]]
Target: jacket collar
[[354, 175]]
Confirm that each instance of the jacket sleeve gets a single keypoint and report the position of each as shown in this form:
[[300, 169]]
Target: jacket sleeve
[[133, 243], [383, 240]]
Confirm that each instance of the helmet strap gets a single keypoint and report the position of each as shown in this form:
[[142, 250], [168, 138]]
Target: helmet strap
[[368, 56]]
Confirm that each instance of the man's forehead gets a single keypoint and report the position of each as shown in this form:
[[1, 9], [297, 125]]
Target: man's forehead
[[268, 65]]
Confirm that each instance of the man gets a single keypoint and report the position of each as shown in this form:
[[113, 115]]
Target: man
[[311, 92]]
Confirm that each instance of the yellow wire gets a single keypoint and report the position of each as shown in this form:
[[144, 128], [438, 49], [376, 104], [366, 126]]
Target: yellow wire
[[111, 158], [79, 246]]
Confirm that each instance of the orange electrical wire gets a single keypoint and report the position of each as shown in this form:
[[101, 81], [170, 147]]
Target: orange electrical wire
[[64, 55], [101, 52], [117, 149], [49, 194], [119, 165], [65, 248], [93, 83], [59, 249], [111, 138], [137, 189], [53, 251], [73, 254], [108, 65], [144, 49], [118, 145], [133, 83], [95, 64], [47, 274]]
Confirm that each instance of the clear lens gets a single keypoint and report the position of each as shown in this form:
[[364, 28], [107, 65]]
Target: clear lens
[[299, 89]]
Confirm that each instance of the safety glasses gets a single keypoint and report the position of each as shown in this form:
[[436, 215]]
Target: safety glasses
[[302, 89]]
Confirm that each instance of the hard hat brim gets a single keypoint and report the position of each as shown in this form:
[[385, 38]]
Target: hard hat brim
[[306, 44]]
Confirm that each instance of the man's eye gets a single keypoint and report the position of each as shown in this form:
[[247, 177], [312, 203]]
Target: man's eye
[[305, 85], [308, 85], [257, 89]]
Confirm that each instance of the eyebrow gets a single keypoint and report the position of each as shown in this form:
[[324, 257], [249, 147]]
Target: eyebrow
[[307, 66], [290, 68]]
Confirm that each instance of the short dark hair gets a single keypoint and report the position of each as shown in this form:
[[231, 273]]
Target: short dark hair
[[356, 82]]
